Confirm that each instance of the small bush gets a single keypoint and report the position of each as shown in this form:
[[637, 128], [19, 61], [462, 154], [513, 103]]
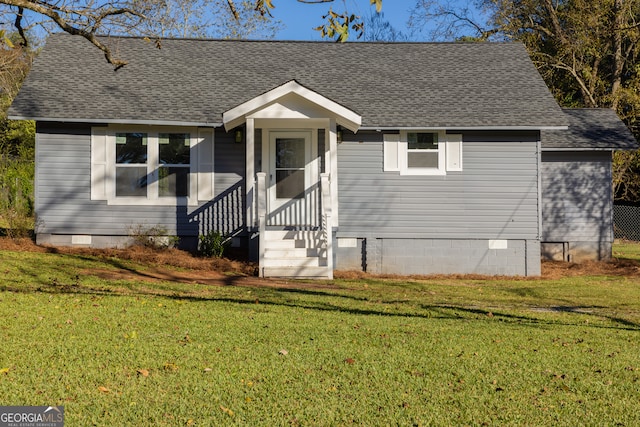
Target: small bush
[[213, 244], [156, 237]]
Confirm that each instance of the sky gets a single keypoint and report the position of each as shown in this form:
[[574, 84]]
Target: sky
[[299, 19]]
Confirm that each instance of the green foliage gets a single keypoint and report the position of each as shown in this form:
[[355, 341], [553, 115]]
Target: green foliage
[[586, 51], [16, 196], [350, 352], [155, 236], [213, 244], [17, 144]]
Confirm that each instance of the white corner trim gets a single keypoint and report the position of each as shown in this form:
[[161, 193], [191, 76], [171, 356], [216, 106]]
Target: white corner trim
[[235, 116]]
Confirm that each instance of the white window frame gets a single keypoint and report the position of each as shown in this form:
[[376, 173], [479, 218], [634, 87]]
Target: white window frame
[[403, 154], [396, 152], [104, 166]]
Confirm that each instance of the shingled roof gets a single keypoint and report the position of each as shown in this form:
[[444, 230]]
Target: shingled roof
[[391, 85], [590, 129]]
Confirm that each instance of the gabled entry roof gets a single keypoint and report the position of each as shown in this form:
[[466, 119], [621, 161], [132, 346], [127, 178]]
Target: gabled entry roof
[[390, 85], [289, 99]]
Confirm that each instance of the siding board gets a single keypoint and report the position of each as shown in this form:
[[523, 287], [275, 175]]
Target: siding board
[[495, 196], [577, 197], [63, 202]]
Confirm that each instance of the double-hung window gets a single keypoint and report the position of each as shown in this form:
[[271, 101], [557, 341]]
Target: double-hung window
[[175, 162], [422, 152], [148, 165], [131, 154]]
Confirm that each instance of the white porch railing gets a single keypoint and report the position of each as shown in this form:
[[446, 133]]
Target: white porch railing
[[324, 234], [327, 220]]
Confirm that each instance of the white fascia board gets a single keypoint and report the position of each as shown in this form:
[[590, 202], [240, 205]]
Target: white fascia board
[[344, 116], [411, 128], [119, 121]]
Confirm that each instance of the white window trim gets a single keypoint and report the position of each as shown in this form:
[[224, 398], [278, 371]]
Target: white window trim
[[396, 153], [152, 198], [403, 152]]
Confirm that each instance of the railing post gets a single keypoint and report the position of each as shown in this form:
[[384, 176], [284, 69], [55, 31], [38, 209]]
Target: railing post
[[327, 224], [261, 195]]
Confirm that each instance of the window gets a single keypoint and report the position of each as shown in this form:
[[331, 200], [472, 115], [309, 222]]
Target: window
[[131, 164], [173, 179], [151, 165], [422, 152]]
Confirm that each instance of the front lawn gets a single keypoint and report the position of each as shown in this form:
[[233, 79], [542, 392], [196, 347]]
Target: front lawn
[[361, 351]]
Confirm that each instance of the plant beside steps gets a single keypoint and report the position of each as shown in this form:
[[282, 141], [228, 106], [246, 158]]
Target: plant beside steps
[[294, 253]]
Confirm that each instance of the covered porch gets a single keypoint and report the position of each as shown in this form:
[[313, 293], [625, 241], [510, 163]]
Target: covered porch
[[291, 136]]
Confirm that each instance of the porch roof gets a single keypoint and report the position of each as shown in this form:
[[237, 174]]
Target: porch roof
[[402, 85]]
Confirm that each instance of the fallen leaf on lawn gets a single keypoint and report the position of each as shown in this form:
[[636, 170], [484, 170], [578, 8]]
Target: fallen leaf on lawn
[[227, 411], [208, 369], [4, 371], [170, 366], [103, 389], [349, 361], [283, 352], [143, 372]]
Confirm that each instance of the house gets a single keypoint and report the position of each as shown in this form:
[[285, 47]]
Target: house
[[405, 158]]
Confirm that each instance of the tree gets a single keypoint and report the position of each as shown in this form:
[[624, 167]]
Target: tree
[[208, 18], [376, 28], [17, 141], [587, 52], [88, 18]]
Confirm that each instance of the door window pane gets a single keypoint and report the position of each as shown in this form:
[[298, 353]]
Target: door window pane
[[290, 184], [290, 153], [131, 148]]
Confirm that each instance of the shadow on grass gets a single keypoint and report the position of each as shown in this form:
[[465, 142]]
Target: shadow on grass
[[325, 301]]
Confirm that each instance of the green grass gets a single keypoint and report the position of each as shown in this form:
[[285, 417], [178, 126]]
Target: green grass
[[626, 249], [374, 352]]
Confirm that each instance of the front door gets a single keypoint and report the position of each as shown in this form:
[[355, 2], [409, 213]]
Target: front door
[[293, 179]]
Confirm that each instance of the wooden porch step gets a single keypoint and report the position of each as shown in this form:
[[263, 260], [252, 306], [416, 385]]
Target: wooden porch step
[[299, 252], [297, 272]]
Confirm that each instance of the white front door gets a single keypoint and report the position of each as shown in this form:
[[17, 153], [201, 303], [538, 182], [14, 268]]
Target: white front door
[[293, 179]]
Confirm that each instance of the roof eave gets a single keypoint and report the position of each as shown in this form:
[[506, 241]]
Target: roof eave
[[118, 121], [383, 128]]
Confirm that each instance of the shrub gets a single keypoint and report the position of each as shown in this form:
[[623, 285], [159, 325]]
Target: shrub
[[213, 244], [156, 237]]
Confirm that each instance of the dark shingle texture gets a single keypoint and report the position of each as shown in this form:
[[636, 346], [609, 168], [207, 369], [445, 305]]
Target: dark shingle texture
[[388, 84], [590, 128]]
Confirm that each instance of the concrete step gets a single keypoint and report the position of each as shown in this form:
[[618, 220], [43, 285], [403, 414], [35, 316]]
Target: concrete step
[[297, 272]]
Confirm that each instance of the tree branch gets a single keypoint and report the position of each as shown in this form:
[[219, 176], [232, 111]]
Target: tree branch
[[95, 20]]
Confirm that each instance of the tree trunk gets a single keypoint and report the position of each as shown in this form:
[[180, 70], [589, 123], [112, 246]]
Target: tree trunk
[[618, 61]]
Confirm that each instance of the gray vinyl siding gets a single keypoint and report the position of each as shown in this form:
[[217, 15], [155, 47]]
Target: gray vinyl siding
[[577, 197], [63, 204], [495, 196]]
